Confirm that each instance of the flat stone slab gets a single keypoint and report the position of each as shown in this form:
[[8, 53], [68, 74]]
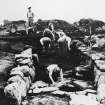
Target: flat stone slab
[[97, 56], [46, 99], [100, 64], [83, 100]]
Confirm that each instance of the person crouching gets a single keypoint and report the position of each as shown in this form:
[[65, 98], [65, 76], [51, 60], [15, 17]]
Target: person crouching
[[46, 43], [55, 73]]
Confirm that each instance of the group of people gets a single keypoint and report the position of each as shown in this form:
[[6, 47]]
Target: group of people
[[28, 26], [23, 75], [53, 37]]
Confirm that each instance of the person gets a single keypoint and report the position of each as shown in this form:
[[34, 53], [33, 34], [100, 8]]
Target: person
[[63, 43], [55, 73], [48, 37], [30, 16], [46, 43], [49, 32]]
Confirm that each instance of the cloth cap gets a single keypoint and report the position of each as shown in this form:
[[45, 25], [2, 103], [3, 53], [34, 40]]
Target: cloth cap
[[29, 7]]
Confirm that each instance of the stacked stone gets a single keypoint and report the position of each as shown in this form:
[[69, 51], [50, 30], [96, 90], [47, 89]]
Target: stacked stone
[[99, 71], [21, 77]]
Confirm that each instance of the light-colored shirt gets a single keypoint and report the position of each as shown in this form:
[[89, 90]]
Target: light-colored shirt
[[30, 14], [65, 38]]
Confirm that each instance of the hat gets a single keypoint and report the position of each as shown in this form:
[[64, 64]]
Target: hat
[[29, 7]]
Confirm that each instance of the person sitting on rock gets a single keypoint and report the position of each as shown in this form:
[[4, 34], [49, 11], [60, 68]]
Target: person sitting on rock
[[55, 73]]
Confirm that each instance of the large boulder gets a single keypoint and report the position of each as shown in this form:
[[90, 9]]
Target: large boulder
[[101, 88], [100, 44], [100, 64], [16, 90], [21, 77], [98, 56]]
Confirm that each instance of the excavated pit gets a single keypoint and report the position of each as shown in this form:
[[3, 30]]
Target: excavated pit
[[76, 84]]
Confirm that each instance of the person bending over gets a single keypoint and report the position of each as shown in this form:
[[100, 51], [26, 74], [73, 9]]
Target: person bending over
[[55, 73]]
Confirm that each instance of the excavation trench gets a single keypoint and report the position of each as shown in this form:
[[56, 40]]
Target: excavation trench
[[74, 84]]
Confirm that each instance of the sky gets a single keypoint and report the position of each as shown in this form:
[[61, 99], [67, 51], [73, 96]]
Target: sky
[[69, 10]]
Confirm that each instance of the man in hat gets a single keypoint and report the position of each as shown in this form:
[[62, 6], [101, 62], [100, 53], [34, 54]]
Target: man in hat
[[30, 16]]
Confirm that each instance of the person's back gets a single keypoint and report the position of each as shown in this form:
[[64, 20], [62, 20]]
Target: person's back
[[55, 73], [47, 33]]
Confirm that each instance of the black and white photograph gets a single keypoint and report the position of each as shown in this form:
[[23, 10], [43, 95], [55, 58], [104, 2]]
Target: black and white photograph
[[52, 52]]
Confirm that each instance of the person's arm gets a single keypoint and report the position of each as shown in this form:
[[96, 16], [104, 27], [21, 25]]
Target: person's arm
[[41, 41], [61, 74], [50, 71], [50, 76], [27, 14], [35, 56], [52, 35], [32, 14], [44, 32], [68, 42]]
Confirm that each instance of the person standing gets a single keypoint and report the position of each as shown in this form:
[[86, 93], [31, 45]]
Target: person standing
[[64, 42], [30, 16]]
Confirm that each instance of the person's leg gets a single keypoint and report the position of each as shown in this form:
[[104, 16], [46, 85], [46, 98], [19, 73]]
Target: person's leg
[[31, 21]]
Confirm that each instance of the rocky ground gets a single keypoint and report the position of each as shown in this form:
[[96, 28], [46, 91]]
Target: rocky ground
[[71, 92], [79, 86], [74, 91]]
